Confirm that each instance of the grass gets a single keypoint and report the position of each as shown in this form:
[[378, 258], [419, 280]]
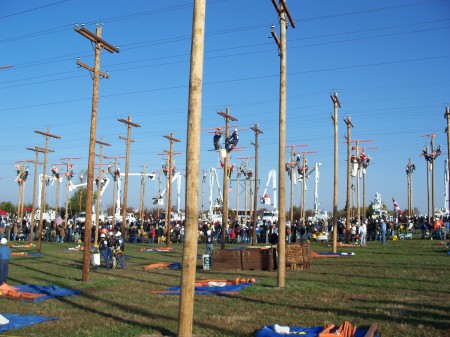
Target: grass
[[404, 286]]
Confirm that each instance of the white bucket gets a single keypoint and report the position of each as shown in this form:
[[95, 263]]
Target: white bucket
[[95, 259]]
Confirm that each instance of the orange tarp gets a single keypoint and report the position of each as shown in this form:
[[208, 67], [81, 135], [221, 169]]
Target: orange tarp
[[12, 292]]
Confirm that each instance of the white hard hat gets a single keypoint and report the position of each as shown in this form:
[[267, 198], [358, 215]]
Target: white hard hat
[[3, 241], [118, 234], [103, 235], [235, 130]]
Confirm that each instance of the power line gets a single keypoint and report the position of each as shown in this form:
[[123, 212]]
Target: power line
[[70, 56], [32, 9]]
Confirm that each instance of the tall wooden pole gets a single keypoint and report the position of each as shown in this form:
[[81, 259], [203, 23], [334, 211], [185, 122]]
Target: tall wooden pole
[[69, 167], [428, 190], [171, 139], [58, 177], [283, 12], [291, 194], [336, 106], [432, 175], [99, 44], [238, 176], [349, 124], [410, 167], [358, 179], [142, 196], [447, 117], [257, 132], [44, 169], [36, 150], [186, 306], [128, 140], [228, 118], [99, 188], [204, 176], [364, 196], [304, 187]]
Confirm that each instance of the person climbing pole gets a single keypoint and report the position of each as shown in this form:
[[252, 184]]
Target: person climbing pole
[[216, 139], [232, 141]]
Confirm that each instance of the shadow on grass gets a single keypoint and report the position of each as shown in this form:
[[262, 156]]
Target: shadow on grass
[[129, 309], [413, 311], [420, 318]]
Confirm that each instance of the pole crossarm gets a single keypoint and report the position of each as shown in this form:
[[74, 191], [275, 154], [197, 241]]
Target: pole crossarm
[[47, 134], [129, 122], [282, 8], [91, 69], [101, 143], [96, 39], [226, 115]]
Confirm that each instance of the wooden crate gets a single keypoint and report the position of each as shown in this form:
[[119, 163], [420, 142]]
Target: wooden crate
[[226, 259], [298, 255], [258, 259]]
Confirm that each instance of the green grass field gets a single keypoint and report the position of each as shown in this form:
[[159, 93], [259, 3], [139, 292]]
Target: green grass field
[[403, 286]]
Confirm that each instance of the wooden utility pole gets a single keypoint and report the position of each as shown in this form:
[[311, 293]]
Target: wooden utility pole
[[112, 169], [282, 12], [334, 117], [364, 172], [36, 150], [247, 178], [358, 176], [186, 306], [238, 176], [128, 140], [158, 176], [47, 135], [69, 176], [304, 177], [142, 195], [98, 44], [447, 129], [228, 118], [291, 173], [57, 174], [99, 188], [170, 153], [428, 189], [410, 167], [349, 124], [21, 180], [291, 195], [429, 157], [204, 176], [255, 128], [432, 174]]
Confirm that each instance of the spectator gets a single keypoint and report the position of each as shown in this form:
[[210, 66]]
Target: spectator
[[5, 253]]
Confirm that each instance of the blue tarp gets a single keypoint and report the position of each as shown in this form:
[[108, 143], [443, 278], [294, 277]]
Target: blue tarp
[[335, 254], [17, 321], [174, 265], [226, 290], [268, 331], [49, 291]]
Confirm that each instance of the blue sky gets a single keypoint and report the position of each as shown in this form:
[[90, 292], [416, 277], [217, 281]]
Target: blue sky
[[389, 60]]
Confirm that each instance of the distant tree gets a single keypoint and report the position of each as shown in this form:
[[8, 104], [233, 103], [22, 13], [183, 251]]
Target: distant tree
[[77, 202], [8, 206]]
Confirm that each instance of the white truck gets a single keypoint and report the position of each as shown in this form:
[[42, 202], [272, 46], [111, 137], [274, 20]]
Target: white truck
[[270, 216]]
